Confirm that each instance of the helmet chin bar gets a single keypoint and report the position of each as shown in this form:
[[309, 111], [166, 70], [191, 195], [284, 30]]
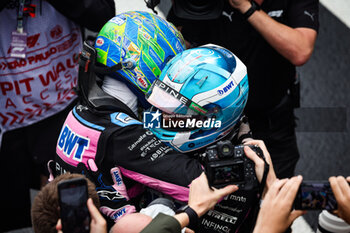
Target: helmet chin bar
[[87, 89]]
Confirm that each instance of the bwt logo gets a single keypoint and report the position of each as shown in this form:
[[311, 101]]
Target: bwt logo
[[117, 177], [151, 119], [70, 141], [226, 88], [119, 213]]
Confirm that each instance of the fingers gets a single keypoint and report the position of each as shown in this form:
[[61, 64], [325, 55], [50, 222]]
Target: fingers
[[343, 184], [200, 180], [226, 190], [246, 140], [275, 188], [92, 208], [290, 189], [259, 163], [203, 177], [59, 225], [94, 212], [188, 230], [294, 187], [348, 179], [295, 214], [340, 187], [253, 156], [260, 143], [335, 187], [262, 146]]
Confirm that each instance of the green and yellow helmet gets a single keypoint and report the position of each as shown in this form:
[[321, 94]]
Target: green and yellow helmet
[[141, 39]]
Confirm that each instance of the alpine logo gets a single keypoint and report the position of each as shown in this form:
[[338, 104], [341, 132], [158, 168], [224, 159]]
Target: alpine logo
[[171, 91], [226, 88]]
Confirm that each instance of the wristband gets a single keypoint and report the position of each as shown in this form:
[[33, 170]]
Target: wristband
[[251, 10], [192, 215]]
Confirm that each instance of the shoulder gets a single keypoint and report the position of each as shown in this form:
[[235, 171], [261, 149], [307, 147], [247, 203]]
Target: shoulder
[[163, 223], [123, 119]]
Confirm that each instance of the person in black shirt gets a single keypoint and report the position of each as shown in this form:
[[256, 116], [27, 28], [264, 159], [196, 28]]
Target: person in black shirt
[[271, 37]]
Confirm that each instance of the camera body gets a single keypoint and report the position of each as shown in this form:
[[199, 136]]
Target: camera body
[[227, 164]]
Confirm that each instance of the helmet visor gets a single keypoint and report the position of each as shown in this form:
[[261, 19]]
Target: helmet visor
[[170, 101]]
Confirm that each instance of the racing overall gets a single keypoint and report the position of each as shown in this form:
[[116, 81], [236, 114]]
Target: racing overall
[[107, 143]]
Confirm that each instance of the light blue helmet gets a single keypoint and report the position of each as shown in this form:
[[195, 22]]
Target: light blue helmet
[[208, 84]]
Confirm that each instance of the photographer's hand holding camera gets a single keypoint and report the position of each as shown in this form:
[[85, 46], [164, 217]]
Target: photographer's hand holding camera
[[260, 164], [275, 215], [341, 191], [203, 198]]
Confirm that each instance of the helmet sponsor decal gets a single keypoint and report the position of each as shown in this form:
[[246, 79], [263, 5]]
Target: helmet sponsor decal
[[100, 41], [141, 81], [117, 20], [226, 88], [72, 144]]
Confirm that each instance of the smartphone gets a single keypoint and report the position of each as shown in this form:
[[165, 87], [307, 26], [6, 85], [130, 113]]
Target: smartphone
[[74, 213], [315, 195]]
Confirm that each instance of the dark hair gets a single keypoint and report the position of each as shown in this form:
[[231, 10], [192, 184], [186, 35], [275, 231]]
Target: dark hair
[[45, 208]]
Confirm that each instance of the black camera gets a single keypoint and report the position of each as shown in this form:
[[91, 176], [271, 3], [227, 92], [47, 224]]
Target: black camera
[[227, 164]]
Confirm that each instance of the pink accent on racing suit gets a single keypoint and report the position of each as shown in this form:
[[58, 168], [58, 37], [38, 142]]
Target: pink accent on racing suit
[[178, 192], [79, 140]]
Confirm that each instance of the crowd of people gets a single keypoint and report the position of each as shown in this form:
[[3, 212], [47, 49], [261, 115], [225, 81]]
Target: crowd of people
[[229, 63]]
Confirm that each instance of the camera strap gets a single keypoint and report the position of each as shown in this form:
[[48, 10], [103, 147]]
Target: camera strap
[[266, 172]]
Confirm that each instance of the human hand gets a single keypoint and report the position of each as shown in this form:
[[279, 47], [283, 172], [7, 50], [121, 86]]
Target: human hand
[[241, 5], [98, 224], [202, 198], [259, 163], [341, 190], [275, 215]]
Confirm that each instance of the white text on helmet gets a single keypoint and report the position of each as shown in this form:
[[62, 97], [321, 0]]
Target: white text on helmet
[[173, 93]]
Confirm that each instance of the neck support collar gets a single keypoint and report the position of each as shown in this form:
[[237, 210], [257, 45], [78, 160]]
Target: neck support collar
[[88, 90]]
